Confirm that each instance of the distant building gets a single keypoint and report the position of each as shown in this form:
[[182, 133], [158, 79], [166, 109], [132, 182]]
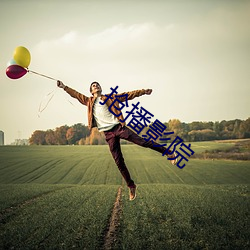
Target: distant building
[[1, 138]]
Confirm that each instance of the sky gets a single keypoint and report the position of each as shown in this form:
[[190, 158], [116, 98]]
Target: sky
[[195, 55]]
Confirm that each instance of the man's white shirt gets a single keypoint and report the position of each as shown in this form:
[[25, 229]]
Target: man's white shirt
[[105, 120]]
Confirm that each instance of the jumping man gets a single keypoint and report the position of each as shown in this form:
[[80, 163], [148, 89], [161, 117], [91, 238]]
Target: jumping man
[[99, 116]]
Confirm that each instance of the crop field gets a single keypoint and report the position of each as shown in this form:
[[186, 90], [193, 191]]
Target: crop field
[[73, 197]]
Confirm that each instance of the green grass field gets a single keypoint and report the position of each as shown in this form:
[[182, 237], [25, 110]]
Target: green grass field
[[62, 197]]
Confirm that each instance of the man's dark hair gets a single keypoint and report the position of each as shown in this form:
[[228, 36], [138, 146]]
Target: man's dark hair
[[91, 86]]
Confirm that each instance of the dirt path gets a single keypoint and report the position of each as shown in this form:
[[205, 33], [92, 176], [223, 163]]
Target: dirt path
[[111, 235]]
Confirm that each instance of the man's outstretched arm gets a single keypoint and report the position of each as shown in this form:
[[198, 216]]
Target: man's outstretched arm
[[132, 94], [80, 97]]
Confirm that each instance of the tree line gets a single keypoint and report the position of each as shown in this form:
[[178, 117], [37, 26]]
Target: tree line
[[79, 134], [207, 131]]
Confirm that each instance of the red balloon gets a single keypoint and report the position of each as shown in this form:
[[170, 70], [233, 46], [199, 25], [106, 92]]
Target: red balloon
[[15, 71]]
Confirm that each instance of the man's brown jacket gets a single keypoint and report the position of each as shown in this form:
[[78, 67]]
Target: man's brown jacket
[[89, 102]]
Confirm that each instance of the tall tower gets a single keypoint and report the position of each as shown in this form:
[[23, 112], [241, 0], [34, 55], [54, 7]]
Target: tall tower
[[1, 138]]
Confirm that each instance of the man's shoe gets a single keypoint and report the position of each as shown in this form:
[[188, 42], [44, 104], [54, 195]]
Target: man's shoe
[[173, 161], [132, 193]]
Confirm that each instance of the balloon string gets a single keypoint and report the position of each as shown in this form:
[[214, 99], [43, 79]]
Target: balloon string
[[31, 71], [50, 96], [71, 103]]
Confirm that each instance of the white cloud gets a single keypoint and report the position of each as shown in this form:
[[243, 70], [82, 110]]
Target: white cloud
[[69, 38], [112, 41], [119, 35], [106, 38]]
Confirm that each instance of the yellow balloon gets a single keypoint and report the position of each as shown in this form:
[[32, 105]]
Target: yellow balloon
[[22, 56]]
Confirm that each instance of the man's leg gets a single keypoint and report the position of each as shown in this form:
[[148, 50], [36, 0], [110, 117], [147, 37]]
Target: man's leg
[[129, 135], [115, 149]]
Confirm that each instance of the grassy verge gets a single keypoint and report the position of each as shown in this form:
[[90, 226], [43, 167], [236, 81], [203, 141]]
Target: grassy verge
[[68, 218], [187, 217], [239, 150]]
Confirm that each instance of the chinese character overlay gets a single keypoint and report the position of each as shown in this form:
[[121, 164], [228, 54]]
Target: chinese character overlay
[[141, 118]]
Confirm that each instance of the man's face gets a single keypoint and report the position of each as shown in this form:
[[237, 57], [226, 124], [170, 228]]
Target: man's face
[[95, 88]]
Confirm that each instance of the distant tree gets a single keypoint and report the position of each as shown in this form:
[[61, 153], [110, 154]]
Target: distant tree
[[184, 131], [87, 141], [193, 135], [236, 129], [202, 135], [245, 129], [217, 129], [196, 126], [96, 137], [60, 134], [70, 135], [175, 126], [94, 141], [50, 137], [82, 142], [207, 125], [76, 133], [229, 126], [38, 138]]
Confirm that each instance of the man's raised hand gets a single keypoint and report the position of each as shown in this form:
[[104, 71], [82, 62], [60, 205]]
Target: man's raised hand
[[148, 91], [60, 84]]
